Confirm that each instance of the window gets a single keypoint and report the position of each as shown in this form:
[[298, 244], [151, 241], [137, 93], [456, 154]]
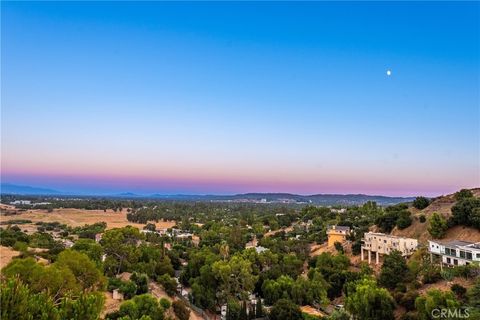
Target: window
[[449, 261], [462, 254], [385, 241], [469, 255], [455, 262], [478, 255]]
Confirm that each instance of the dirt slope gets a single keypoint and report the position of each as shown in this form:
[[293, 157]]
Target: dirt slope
[[443, 206]]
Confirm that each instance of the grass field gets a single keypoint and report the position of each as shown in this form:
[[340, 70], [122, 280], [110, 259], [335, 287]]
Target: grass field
[[79, 217]]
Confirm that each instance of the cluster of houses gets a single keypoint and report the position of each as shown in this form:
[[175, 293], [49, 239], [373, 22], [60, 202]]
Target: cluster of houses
[[448, 253]]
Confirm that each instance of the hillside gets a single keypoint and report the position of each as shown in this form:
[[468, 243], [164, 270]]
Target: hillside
[[443, 206]]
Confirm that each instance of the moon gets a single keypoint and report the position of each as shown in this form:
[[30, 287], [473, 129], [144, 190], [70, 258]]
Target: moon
[[389, 72]]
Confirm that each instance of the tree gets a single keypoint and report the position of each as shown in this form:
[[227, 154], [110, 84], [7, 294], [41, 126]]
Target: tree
[[180, 309], [141, 306], [120, 246], [404, 219], [83, 268], [235, 277], [338, 246], [150, 227], [394, 270], [91, 248], [366, 301], [18, 302], [285, 309], [141, 281], [165, 303], [421, 203], [168, 283], [437, 226], [459, 290], [86, 307], [463, 194], [434, 299], [466, 212]]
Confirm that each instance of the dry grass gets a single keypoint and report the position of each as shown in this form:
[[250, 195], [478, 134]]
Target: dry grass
[[6, 255], [443, 206], [80, 217]]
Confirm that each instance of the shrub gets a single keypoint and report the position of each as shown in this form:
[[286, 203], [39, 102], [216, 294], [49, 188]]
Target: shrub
[[463, 194], [459, 290], [165, 303], [422, 218], [180, 309], [421, 203]]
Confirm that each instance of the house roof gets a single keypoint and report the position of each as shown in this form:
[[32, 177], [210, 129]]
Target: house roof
[[340, 228]]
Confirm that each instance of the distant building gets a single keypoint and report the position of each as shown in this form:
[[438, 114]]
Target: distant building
[[260, 249], [21, 202], [337, 234], [455, 253], [380, 243], [98, 237], [67, 243]]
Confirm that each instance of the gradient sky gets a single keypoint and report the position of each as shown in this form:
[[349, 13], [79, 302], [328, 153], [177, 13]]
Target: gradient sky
[[228, 97]]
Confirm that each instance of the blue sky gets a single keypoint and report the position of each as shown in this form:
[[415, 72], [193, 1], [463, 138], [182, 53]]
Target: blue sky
[[233, 97]]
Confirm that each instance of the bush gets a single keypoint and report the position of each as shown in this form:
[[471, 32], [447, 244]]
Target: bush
[[165, 303], [431, 275], [459, 290], [463, 194], [404, 219], [422, 219], [408, 300], [180, 309], [438, 226], [168, 283], [421, 203]]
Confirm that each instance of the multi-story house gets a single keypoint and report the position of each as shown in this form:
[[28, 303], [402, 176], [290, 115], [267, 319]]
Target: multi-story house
[[380, 243], [455, 253], [337, 234]]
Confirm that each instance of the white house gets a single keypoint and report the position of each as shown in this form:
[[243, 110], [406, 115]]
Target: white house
[[380, 243], [456, 252]]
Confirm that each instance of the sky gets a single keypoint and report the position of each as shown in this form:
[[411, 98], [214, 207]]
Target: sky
[[233, 97]]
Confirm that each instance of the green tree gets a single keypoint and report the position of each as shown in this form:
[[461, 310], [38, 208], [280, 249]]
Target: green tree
[[235, 277], [142, 306], [366, 301], [463, 194], [180, 309], [404, 219], [437, 226], [84, 269], [285, 309], [120, 246], [168, 283], [466, 212], [394, 270], [91, 248], [421, 203], [434, 299]]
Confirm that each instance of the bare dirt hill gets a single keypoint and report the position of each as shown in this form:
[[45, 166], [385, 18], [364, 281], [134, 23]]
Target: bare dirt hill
[[443, 206]]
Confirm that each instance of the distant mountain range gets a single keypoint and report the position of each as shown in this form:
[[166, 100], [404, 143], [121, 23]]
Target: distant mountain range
[[319, 199], [7, 188]]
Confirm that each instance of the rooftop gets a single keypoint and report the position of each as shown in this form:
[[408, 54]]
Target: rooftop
[[386, 235], [458, 243], [341, 228]]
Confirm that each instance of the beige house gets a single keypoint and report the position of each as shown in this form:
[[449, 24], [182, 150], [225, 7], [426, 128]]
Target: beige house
[[337, 234], [380, 243]]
